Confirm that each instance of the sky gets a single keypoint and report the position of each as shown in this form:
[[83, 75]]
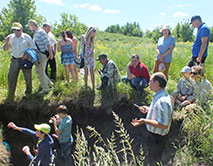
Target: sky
[[103, 13]]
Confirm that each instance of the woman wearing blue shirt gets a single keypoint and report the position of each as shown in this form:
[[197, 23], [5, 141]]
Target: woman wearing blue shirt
[[165, 46]]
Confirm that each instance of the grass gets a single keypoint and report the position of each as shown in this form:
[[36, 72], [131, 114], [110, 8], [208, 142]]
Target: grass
[[196, 128]]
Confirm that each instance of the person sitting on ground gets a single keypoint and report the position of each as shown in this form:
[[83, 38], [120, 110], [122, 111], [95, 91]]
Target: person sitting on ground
[[110, 76], [184, 94], [137, 74], [44, 153], [64, 133], [202, 85]]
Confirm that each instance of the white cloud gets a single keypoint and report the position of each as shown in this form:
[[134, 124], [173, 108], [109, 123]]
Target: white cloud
[[179, 14], [95, 8], [162, 14], [56, 2], [81, 5], [179, 5], [111, 11], [183, 5]]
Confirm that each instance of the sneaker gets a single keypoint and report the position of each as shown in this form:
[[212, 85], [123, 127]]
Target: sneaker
[[50, 84]]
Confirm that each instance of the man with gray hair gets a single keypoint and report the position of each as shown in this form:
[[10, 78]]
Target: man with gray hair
[[45, 52], [51, 62]]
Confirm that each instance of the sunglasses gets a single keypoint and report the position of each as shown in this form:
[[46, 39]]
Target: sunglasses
[[16, 30], [194, 73]]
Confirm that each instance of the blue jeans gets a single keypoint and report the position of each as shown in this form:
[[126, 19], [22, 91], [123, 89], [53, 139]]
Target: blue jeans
[[137, 83], [66, 151]]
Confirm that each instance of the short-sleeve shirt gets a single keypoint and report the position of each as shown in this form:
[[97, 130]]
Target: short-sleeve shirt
[[66, 127], [203, 31], [185, 86], [164, 45], [41, 39], [52, 40], [161, 110], [20, 44]]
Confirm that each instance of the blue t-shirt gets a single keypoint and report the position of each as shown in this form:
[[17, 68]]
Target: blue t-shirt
[[203, 31], [66, 128], [164, 45]]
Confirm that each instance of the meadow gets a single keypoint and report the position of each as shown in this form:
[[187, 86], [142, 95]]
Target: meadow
[[119, 48]]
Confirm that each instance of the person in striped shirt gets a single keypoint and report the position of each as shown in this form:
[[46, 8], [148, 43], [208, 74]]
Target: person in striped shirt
[[45, 52], [158, 119]]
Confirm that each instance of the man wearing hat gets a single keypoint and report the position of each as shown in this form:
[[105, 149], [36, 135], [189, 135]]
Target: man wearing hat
[[110, 76], [185, 89], [43, 151], [45, 52], [18, 42], [201, 43]]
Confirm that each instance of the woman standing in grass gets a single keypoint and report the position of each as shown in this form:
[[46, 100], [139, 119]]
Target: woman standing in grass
[[74, 41], [165, 46], [65, 45], [89, 58]]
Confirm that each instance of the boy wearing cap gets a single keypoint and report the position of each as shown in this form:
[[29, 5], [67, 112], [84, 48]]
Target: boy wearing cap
[[201, 43], [45, 143], [64, 133], [185, 89], [18, 42], [110, 76]]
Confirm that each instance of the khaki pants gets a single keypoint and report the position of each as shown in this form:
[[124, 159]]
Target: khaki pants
[[167, 64], [13, 76], [40, 69]]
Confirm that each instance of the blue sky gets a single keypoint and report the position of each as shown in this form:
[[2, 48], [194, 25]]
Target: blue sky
[[148, 13]]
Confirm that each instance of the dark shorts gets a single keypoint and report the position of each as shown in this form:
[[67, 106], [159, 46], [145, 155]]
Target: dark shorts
[[194, 60]]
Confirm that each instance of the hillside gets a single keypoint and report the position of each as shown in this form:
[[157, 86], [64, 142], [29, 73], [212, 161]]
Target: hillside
[[89, 108]]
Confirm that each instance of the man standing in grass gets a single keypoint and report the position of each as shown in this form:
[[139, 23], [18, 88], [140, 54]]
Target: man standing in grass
[[158, 119], [18, 42], [201, 43]]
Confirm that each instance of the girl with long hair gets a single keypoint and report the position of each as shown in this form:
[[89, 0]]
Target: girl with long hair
[[65, 45]]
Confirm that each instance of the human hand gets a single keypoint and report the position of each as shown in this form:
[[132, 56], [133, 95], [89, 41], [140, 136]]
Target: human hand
[[144, 109], [135, 122], [50, 57], [26, 150], [55, 136], [199, 59], [12, 125]]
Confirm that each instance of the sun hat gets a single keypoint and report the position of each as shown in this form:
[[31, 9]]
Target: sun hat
[[161, 67], [186, 69], [195, 18], [45, 128], [165, 28], [32, 22], [16, 26], [104, 56]]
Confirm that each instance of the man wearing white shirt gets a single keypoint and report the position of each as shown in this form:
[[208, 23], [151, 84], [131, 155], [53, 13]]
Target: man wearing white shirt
[[51, 62], [18, 42]]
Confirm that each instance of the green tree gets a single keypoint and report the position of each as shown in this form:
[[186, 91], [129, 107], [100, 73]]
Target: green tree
[[69, 22], [211, 34], [18, 11], [186, 32], [176, 31]]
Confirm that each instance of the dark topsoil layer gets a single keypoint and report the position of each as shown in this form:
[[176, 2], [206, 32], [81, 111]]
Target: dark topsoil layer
[[26, 113]]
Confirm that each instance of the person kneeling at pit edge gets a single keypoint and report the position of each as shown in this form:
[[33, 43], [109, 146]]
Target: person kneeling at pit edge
[[110, 76], [137, 74]]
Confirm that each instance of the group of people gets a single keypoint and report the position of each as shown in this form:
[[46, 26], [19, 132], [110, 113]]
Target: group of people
[[160, 111]]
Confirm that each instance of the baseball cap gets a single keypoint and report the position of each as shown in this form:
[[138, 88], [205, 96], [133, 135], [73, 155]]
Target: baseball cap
[[186, 69], [195, 18], [45, 128], [104, 56], [16, 26]]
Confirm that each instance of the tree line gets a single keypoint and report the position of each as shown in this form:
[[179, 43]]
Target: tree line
[[23, 10]]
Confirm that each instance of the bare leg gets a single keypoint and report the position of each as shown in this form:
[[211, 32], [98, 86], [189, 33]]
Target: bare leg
[[92, 78], [76, 73], [67, 72], [85, 76], [72, 69]]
